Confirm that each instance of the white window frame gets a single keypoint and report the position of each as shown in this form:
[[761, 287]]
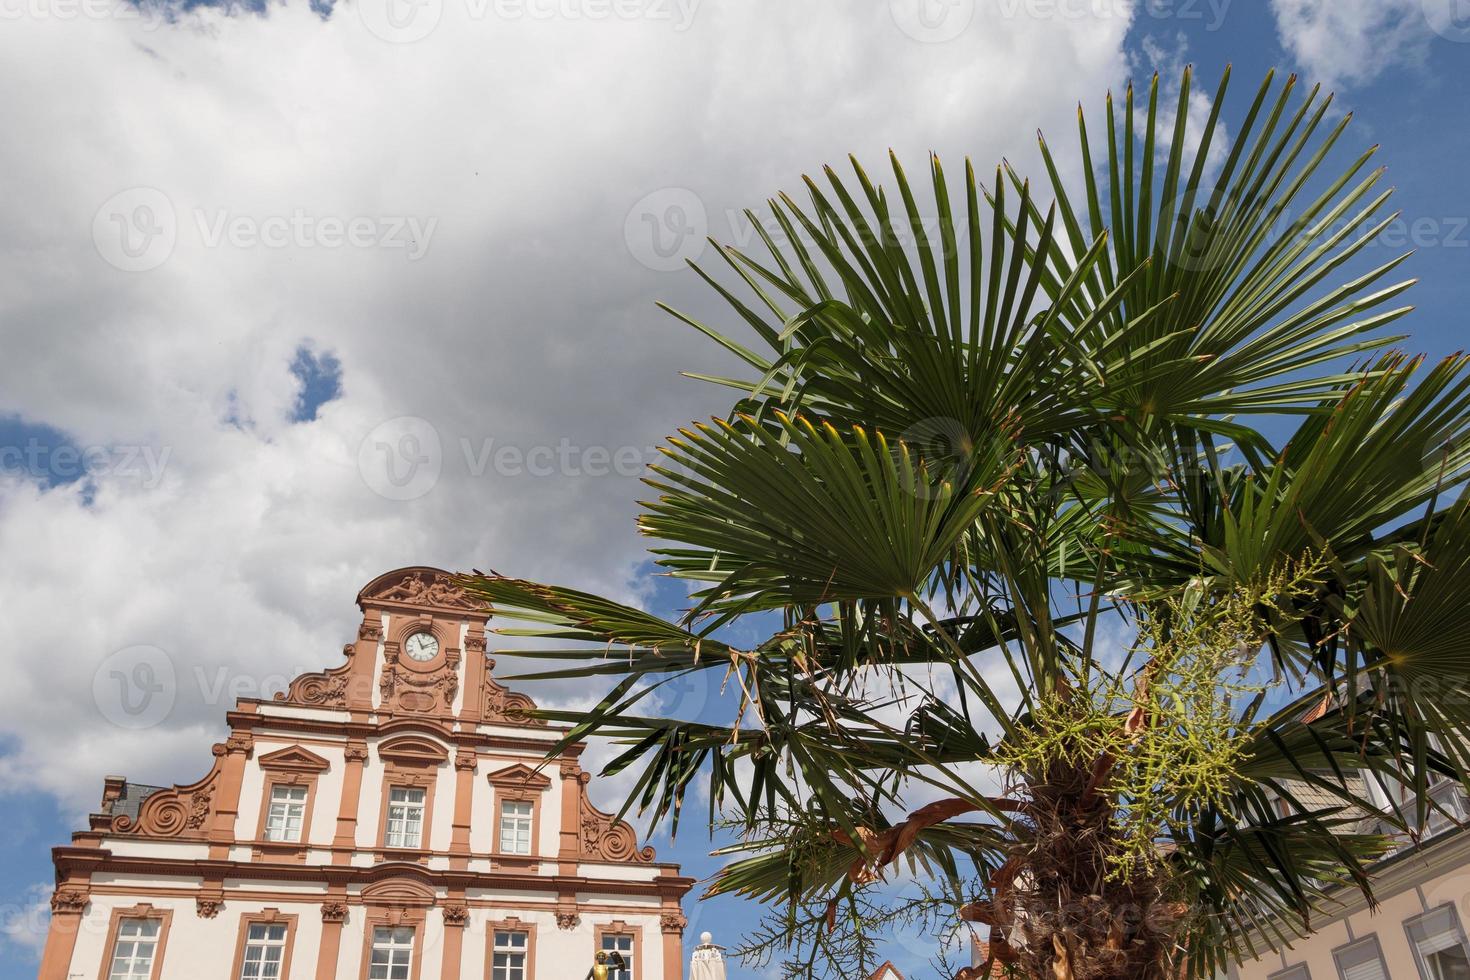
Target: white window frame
[[1409, 923], [132, 940], [283, 807], [1350, 948], [262, 946], [403, 803], [1297, 971], [515, 826], [502, 945], [390, 939], [613, 941]]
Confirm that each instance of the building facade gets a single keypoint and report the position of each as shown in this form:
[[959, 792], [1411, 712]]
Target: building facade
[[1417, 930], [391, 818]]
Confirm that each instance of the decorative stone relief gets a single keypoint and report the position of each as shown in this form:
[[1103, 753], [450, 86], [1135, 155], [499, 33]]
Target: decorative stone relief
[[605, 839], [426, 587], [68, 901], [179, 812], [322, 689], [500, 703], [422, 693]]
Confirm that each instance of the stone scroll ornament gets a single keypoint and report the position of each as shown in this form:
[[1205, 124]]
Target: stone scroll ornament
[[329, 688], [606, 839], [179, 812], [501, 704]]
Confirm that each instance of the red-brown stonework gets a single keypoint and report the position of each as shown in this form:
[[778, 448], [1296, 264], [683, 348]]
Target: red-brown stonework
[[370, 795]]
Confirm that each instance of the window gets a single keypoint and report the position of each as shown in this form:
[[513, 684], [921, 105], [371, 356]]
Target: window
[[284, 820], [135, 950], [509, 961], [1298, 972], [405, 817], [1361, 960], [265, 951], [622, 943], [1439, 945], [392, 953], [515, 827]]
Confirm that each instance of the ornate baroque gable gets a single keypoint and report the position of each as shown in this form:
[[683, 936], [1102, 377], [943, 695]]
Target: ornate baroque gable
[[420, 587], [603, 838], [183, 812], [418, 692], [331, 688], [397, 606], [499, 703]]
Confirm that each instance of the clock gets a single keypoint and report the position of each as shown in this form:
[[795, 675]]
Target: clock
[[421, 647]]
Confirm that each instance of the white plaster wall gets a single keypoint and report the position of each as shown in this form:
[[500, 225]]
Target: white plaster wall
[[619, 872], [199, 948], [328, 789], [92, 931], [1387, 924], [551, 814], [370, 800], [379, 661], [483, 822], [154, 847], [195, 948], [144, 883], [279, 710], [463, 670], [595, 898], [441, 822], [328, 794]]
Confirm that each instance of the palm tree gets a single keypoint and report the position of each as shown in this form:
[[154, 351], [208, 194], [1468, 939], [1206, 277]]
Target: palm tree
[[1088, 539]]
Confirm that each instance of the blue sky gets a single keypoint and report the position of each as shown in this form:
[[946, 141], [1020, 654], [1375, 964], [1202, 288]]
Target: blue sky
[[241, 372]]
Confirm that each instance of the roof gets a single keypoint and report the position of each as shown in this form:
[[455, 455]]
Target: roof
[[886, 972], [131, 800]]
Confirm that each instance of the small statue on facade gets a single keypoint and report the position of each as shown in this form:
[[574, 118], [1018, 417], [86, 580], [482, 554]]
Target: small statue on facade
[[601, 969]]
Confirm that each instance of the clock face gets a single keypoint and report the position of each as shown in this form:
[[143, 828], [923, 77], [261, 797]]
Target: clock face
[[421, 646]]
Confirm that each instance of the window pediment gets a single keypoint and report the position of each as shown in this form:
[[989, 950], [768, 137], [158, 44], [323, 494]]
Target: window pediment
[[294, 759], [413, 750], [401, 889], [520, 776]]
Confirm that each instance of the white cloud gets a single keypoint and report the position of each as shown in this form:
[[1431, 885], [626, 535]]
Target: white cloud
[[518, 144], [23, 926], [1351, 42]]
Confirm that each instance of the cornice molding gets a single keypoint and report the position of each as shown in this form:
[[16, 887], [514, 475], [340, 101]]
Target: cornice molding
[[340, 876]]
